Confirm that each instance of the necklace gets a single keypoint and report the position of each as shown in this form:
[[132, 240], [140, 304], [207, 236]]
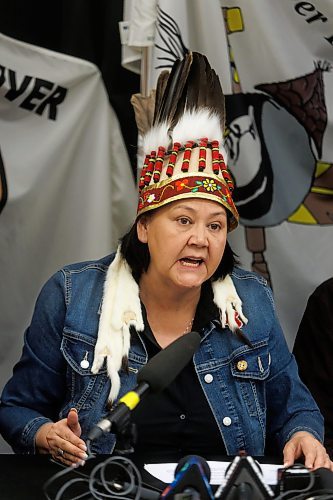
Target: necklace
[[188, 327]]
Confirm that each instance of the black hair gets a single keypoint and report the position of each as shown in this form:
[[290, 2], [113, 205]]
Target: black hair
[[135, 252], [137, 255]]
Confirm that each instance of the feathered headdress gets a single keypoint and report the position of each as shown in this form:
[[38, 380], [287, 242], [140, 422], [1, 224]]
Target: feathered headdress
[[184, 156], [183, 124]]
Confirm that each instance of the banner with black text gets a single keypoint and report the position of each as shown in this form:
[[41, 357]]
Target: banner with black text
[[66, 186]]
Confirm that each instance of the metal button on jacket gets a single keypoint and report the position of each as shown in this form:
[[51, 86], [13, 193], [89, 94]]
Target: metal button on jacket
[[241, 365], [226, 421], [208, 378]]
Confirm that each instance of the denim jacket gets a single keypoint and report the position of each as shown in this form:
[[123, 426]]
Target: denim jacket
[[251, 391]]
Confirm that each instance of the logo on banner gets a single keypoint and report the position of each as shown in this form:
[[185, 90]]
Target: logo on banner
[[31, 93], [274, 137]]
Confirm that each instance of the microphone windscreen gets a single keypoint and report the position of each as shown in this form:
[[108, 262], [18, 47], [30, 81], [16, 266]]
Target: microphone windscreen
[[164, 367], [192, 477], [198, 460]]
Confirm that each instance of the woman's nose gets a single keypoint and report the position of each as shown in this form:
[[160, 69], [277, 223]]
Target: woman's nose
[[198, 236]]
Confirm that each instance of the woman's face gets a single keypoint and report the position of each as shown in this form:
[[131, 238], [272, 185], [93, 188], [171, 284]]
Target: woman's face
[[186, 241]]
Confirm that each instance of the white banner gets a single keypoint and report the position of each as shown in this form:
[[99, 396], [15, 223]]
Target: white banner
[[274, 60], [67, 190]]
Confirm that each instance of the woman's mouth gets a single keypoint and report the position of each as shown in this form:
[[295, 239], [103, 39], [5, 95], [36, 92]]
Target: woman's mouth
[[190, 262]]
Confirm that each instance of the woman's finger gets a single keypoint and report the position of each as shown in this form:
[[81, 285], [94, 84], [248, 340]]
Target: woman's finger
[[72, 450]]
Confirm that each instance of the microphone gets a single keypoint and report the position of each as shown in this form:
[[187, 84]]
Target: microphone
[[154, 377], [192, 476], [244, 481]]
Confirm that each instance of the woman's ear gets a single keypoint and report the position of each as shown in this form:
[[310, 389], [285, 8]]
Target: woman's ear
[[141, 228]]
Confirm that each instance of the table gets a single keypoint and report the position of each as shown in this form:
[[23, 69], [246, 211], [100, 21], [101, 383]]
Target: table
[[22, 476]]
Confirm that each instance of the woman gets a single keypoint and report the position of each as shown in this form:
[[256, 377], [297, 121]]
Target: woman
[[97, 323]]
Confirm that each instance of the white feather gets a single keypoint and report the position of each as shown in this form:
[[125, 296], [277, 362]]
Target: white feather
[[196, 124], [155, 137]]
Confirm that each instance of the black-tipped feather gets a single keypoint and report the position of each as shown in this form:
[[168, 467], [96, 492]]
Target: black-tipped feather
[[174, 95], [197, 84], [160, 90], [192, 84]]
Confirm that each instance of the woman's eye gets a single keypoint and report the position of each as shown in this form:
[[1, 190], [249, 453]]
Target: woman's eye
[[215, 226], [183, 221]]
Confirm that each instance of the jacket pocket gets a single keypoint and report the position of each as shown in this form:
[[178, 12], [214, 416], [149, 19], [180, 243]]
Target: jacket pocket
[[250, 369], [84, 387]]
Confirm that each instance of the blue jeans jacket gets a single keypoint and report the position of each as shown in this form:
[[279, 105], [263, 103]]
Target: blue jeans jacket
[[266, 397]]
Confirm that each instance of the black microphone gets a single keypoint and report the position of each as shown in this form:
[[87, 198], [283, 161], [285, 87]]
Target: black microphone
[[154, 377], [244, 481], [192, 476]]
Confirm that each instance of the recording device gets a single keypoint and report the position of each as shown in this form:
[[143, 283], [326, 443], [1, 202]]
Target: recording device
[[192, 476], [154, 377], [244, 481], [299, 479]]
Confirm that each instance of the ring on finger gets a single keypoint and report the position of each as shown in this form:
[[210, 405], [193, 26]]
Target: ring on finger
[[60, 452]]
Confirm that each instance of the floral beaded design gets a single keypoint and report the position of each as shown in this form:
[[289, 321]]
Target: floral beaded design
[[202, 185]]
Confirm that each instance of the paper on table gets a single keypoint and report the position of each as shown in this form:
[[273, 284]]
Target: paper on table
[[166, 472]]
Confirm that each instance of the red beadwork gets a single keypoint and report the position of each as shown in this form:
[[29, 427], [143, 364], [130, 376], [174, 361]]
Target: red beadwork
[[215, 157], [227, 177], [172, 159], [159, 163], [162, 193], [187, 156], [222, 163], [150, 168], [202, 153], [143, 172]]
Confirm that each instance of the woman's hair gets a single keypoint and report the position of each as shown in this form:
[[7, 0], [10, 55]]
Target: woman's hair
[[137, 255]]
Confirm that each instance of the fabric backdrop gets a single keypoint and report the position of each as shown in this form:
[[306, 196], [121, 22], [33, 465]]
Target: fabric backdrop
[[274, 60], [67, 189]]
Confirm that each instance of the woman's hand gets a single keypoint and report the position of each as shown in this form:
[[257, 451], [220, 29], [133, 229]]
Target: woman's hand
[[305, 444], [62, 440]]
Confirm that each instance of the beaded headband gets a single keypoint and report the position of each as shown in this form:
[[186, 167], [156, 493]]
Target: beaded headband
[[195, 169]]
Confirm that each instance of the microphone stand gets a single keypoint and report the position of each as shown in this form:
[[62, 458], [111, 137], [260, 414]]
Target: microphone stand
[[122, 426], [125, 430], [119, 422], [126, 433]]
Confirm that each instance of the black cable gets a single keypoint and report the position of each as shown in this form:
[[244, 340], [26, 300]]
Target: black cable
[[113, 489], [323, 494], [132, 472], [66, 470], [69, 483]]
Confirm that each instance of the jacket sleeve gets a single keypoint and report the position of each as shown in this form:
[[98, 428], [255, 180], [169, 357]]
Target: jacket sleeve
[[34, 393], [290, 405]]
